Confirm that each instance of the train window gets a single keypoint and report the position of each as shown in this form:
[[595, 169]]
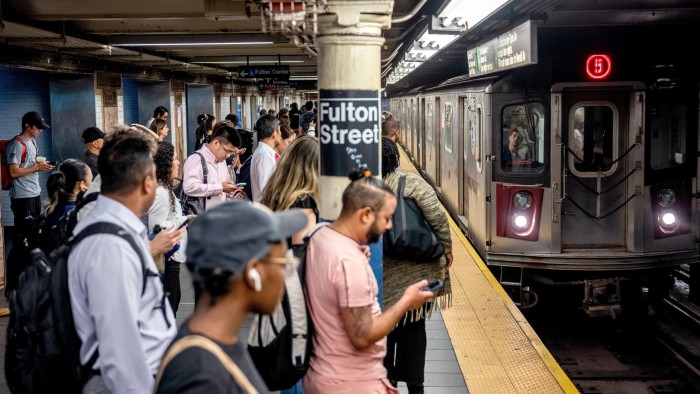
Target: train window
[[667, 124], [591, 140], [448, 126], [523, 138]]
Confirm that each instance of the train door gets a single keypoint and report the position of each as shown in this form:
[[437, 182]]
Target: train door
[[450, 153], [594, 157], [430, 137], [472, 156], [408, 120], [437, 142], [420, 154]]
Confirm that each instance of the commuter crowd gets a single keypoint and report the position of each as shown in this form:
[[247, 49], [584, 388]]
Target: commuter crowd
[[232, 218]]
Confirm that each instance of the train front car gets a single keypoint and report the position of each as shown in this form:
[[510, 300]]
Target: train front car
[[586, 172]]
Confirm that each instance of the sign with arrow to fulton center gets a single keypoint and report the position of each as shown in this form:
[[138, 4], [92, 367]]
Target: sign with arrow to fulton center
[[277, 73]]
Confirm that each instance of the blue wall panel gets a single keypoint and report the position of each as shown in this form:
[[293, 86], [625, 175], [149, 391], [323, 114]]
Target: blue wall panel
[[23, 91], [131, 100]]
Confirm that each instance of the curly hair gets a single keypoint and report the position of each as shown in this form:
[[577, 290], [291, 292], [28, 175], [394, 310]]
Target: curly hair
[[163, 160]]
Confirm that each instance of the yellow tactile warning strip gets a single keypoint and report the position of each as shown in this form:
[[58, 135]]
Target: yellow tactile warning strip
[[497, 349]]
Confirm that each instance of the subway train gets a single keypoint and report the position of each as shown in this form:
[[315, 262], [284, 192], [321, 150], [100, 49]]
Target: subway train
[[577, 167]]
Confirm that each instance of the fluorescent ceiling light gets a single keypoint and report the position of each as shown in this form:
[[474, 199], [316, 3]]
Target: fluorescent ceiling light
[[252, 62], [471, 12], [303, 78], [189, 44]]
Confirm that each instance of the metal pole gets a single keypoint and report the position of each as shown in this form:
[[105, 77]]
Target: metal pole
[[349, 64]]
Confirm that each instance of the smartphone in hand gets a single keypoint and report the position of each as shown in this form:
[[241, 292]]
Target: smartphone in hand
[[433, 286], [240, 184], [184, 224]]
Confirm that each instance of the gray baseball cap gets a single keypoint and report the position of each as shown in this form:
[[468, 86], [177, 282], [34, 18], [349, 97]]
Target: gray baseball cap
[[230, 235]]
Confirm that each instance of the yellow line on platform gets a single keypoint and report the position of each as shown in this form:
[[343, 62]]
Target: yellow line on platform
[[496, 348]]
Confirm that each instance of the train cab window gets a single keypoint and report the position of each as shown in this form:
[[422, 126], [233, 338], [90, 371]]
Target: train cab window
[[667, 125], [448, 126], [591, 140], [523, 138]]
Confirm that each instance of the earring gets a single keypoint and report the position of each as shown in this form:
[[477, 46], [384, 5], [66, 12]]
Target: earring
[[254, 275]]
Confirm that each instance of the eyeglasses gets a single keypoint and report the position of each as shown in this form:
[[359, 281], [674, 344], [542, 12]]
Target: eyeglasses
[[289, 261]]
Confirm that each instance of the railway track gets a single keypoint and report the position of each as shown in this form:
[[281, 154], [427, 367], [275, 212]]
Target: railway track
[[652, 354]]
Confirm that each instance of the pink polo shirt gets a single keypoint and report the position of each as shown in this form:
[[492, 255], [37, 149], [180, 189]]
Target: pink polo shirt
[[193, 178], [339, 275]]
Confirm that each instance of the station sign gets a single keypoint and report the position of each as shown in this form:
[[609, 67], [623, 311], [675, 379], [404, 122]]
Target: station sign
[[349, 131], [278, 73], [515, 48]]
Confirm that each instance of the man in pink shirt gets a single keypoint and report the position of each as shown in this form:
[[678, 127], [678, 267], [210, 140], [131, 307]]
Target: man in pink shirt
[[218, 188], [349, 327]]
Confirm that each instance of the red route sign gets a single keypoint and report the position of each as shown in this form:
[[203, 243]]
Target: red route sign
[[598, 66]]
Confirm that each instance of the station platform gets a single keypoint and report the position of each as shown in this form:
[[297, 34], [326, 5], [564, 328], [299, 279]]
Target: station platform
[[481, 344]]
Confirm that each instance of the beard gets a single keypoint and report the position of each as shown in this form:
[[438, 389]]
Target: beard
[[374, 233]]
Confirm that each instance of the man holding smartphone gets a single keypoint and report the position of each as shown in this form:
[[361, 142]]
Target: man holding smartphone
[[214, 187]]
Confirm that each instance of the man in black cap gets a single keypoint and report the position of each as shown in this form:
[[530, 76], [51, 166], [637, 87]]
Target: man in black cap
[[237, 253], [93, 138], [24, 166]]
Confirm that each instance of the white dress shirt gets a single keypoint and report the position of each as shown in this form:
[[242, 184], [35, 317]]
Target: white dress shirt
[[105, 280], [166, 215], [193, 179], [262, 165]]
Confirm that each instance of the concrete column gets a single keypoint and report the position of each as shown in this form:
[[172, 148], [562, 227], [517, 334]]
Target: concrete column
[[349, 62]]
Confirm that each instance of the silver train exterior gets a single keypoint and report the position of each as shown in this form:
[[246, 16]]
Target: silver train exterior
[[599, 185]]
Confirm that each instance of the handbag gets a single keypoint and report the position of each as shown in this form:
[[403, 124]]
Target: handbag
[[411, 236]]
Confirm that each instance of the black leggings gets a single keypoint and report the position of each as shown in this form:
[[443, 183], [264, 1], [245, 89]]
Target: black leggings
[[171, 283], [405, 354]]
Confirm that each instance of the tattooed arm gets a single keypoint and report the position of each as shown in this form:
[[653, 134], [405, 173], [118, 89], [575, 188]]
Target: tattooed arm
[[364, 330]]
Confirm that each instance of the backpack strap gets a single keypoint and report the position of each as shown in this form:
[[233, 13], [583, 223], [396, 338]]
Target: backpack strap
[[114, 229], [211, 347], [205, 172], [23, 157], [401, 205]]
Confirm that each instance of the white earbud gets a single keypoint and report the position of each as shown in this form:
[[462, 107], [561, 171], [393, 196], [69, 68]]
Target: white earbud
[[254, 275]]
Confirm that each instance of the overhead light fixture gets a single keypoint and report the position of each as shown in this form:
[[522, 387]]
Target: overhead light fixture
[[189, 44], [188, 40], [303, 78], [252, 63], [460, 15]]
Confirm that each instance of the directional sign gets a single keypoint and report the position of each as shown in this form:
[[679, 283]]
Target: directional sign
[[277, 73]]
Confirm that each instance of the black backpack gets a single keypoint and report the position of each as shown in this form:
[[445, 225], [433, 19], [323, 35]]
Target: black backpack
[[43, 348], [243, 176], [52, 236], [280, 344], [193, 205], [411, 237]]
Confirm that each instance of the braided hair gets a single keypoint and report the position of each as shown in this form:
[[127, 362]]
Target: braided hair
[[390, 156]]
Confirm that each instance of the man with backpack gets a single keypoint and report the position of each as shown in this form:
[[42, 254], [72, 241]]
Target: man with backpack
[[206, 175], [237, 254], [120, 313], [24, 165], [350, 328]]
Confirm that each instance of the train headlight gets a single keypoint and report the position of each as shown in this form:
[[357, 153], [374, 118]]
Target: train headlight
[[666, 197], [522, 200], [668, 219], [668, 222], [520, 221]]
